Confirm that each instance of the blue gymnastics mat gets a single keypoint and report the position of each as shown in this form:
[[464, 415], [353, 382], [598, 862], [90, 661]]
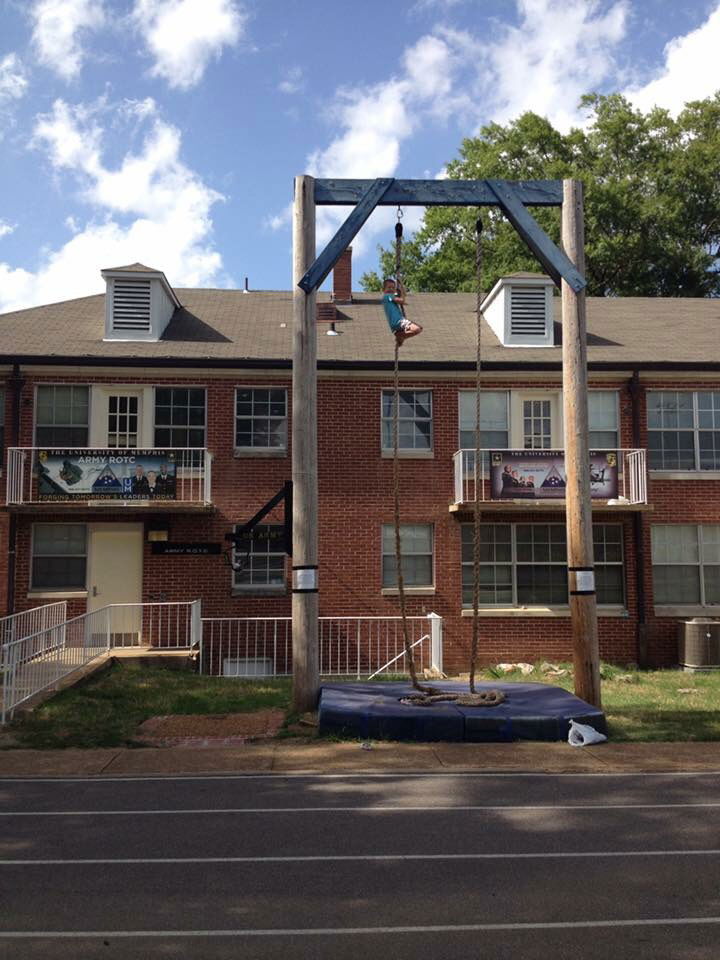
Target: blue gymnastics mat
[[531, 711]]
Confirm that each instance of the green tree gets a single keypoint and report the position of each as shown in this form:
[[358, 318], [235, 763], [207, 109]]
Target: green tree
[[652, 202]]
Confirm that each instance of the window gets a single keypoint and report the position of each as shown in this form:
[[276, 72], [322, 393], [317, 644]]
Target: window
[[525, 564], [123, 421], [62, 416], [537, 424], [262, 559], [684, 430], [2, 424], [179, 417], [493, 419], [603, 419], [261, 418], [416, 551], [686, 563], [414, 420], [59, 556]]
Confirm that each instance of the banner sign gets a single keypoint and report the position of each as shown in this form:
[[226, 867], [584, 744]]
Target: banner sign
[[540, 475], [106, 475], [168, 548]]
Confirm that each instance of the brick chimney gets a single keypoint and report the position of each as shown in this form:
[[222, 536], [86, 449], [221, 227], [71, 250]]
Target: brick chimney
[[342, 278]]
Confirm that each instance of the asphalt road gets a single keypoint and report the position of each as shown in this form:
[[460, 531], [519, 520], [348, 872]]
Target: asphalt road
[[423, 866]]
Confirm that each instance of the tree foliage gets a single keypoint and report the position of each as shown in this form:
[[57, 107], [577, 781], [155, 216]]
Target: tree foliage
[[652, 202]]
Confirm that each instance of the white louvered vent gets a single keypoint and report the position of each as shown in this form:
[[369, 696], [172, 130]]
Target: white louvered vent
[[131, 305], [527, 312]]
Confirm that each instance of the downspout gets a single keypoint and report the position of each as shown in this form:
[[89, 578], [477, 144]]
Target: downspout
[[641, 641], [16, 384]]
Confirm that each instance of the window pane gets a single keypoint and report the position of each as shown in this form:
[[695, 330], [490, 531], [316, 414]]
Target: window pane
[[609, 584], [674, 543], [261, 418], [65, 573], [602, 410], [711, 543], [416, 552], [542, 584], [676, 584], [415, 420], [59, 539], [712, 584]]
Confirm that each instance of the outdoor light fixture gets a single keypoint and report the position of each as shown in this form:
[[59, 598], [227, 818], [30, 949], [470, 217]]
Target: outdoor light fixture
[[157, 530], [332, 332]]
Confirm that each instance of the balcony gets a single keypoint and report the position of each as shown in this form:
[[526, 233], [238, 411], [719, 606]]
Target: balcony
[[523, 480], [149, 480]]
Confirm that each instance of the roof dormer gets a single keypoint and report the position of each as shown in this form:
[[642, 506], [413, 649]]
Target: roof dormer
[[519, 310], [139, 303]]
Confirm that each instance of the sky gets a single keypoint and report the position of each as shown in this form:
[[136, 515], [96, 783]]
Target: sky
[[169, 131]]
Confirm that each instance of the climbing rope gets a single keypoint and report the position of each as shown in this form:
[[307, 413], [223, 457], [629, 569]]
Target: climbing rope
[[396, 471], [476, 527], [427, 696]]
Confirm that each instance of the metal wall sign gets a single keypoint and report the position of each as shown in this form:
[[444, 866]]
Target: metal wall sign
[[167, 548], [105, 475], [540, 474]]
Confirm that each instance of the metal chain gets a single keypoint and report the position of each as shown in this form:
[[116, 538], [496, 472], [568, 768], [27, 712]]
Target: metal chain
[[476, 527]]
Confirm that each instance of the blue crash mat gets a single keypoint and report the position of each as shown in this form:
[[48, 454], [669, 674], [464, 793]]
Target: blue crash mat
[[531, 711]]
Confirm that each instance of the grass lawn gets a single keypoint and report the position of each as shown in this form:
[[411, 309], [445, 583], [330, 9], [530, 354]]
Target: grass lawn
[[106, 709]]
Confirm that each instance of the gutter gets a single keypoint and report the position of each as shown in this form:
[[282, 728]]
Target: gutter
[[284, 363]]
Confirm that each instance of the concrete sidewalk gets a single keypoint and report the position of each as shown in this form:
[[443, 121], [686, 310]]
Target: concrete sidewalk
[[320, 757]]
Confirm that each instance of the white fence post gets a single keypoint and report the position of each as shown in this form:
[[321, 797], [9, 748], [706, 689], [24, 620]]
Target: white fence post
[[436, 641], [196, 624]]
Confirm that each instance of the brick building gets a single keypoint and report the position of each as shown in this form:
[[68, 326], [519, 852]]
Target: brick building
[[150, 415]]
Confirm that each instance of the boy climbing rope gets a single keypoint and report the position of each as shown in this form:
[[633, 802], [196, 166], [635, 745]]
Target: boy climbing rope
[[394, 302]]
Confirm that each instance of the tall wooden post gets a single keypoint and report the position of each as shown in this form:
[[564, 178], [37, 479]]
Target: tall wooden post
[[306, 680], [581, 563]]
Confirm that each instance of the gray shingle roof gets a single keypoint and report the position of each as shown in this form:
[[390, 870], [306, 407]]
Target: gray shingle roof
[[225, 325]]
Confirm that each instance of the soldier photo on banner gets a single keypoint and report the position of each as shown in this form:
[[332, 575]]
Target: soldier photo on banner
[[540, 474], [106, 475]]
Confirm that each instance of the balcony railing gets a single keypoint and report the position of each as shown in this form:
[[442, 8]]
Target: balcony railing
[[94, 476], [536, 476]]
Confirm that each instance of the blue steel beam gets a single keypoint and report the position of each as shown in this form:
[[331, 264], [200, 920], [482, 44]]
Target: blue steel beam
[[323, 264], [437, 193], [551, 257]]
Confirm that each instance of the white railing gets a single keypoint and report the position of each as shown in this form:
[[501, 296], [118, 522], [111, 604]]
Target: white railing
[[193, 473], [34, 663], [17, 626], [348, 646], [632, 476]]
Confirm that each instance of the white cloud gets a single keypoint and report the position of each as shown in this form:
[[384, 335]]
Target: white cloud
[[560, 50], [151, 208], [688, 73], [293, 81], [13, 81], [184, 35], [58, 30], [6, 228]]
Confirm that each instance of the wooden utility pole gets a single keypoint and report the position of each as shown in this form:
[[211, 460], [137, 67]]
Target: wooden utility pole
[[581, 562], [306, 676]]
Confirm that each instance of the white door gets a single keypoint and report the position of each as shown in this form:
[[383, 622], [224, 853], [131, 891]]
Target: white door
[[115, 568]]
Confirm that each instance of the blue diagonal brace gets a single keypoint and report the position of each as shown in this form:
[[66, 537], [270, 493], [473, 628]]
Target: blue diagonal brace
[[557, 263], [344, 237]]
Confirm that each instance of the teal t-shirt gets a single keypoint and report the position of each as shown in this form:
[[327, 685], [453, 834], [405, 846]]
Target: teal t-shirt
[[392, 311]]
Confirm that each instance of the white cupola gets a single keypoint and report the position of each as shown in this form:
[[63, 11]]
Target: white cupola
[[139, 303], [519, 310]]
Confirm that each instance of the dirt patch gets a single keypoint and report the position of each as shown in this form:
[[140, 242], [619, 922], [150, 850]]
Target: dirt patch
[[226, 729]]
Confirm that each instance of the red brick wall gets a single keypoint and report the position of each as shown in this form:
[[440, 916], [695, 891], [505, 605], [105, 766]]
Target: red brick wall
[[355, 487]]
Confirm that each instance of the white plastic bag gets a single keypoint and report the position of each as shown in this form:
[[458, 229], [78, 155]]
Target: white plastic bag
[[581, 735]]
